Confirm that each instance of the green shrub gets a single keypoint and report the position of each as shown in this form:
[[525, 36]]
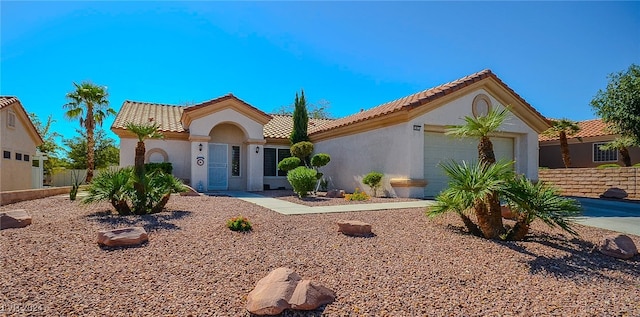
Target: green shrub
[[636, 165], [357, 195], [320, 160], [374, 181], [302, 149], [302, 180], [239, 223], [289, 163], [611, 165], [166, 167]]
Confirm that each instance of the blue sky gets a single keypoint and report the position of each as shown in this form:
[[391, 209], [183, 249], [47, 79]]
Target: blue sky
[[355, 55]]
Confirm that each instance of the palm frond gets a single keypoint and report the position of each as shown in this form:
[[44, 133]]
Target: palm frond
[[145, 131], [480, 126]]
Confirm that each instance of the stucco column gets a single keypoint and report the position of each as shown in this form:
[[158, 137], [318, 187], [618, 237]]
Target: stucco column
[[199, 159], [255, 166]]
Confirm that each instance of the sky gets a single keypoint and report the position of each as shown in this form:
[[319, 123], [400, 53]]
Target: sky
[[355, 55]]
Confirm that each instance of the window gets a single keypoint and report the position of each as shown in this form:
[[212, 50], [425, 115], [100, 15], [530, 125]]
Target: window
[[272, 157], [26, 158], [235, 160], [18, 156], [604, 155], [11, 119], [6, 154]]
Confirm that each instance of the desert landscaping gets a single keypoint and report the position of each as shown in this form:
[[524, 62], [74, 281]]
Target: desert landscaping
[[193, 265]]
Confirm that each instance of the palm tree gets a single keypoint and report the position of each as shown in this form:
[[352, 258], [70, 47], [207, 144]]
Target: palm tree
[[562, 129], [142, 132], [481, 127], [621, 144], [88, 102]]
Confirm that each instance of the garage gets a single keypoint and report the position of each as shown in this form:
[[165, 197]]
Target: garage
[[439, 147]]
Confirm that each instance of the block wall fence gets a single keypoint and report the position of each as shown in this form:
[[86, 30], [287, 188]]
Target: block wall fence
[[592, 182]]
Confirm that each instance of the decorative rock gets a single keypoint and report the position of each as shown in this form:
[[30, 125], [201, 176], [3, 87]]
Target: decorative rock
[[618, 246], [309, 296], [354, 228], [283, 289], [614, 192], [122, 237], [190, 191], [14, 219], [334, 193]]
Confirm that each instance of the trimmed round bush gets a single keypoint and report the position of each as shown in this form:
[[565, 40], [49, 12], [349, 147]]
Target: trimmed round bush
[[289, 163], [302, 149], [373, 180], [302, 180], [320, 160]]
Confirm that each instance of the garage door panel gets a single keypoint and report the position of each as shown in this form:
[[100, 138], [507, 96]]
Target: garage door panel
[[439, 148]]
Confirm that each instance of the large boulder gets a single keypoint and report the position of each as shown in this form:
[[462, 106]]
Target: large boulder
[[614, 192], [618, 246], [284, 289], [14, 219], [122, 237], [354, 228]]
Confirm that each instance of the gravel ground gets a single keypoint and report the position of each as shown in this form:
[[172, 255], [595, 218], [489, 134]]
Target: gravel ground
[[320, 200], [194, 266]]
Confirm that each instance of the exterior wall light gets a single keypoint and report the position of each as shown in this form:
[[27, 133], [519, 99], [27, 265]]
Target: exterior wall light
[[257, 149], [416, 127], [200, 147]]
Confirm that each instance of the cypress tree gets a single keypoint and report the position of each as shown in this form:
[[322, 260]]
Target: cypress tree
[[300, 120]]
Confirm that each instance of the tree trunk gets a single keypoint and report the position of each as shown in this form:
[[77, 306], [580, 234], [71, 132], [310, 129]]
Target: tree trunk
[[564, 147], [121, 207], [140, 207], [139, 158], [472, 227], [485, 151], [160, 205], [487, 156], [484, 221], [626, 159], [519, 231], [89, 124]]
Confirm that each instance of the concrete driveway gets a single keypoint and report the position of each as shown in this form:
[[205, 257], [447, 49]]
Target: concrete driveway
[[608, 214]]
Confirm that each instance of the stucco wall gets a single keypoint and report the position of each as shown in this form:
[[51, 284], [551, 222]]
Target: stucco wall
[[592, 182], [14, 174], [177, 152], [581, 155], [397, 150]]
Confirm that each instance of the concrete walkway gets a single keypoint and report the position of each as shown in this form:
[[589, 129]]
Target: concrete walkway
[[289, 208]]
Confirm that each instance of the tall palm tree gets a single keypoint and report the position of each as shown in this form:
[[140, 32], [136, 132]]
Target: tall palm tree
[[142, 132], [481, 127], [622, 144], [88, 102], [562, 129]]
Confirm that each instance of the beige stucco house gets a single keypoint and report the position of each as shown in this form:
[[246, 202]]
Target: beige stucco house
[[227, 144], [18, 141]]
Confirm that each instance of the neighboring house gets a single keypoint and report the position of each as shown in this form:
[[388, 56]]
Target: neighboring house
[[18, 141], [584, 147], [226, 143]]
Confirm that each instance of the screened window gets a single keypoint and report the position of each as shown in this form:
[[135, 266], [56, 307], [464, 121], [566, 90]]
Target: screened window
[[6, 154], [272, 157], [235, 160], [600, 155], [18, 156], [26, 157]]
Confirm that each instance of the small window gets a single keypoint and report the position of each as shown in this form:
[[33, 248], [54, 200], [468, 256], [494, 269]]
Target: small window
[[6, 154], [11, 119], [235, 160], [600, 155], [18, 156], [270, 162], [26, 158]]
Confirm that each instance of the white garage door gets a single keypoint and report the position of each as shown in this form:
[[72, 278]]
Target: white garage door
[[443, 148]]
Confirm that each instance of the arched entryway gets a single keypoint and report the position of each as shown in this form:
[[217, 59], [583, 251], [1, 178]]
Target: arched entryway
[[226, 169]]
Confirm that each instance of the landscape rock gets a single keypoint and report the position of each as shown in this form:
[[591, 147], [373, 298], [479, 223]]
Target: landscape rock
[[618, 246], [122, 237], [14, 219], [335, 193], [615, 192], [283, 289], [354, 228], [190, 191]]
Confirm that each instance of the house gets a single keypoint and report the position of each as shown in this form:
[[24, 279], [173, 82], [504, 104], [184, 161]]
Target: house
[[226, 143], [18, 141], [584, 147]]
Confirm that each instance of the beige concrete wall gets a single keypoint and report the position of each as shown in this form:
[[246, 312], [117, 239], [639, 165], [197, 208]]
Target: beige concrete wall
[[10, 197], [14, 174], [581, 155], [177, 152], [592, 182]]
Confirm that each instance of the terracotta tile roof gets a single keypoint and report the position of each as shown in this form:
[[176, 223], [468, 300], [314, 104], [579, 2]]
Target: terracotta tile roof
[[419, 99], [167, 116], [7, 100], [280, 126], [219, 99], [588, 128]]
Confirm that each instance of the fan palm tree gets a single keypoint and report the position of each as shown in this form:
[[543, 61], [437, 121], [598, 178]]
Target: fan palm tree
[[142, 132], [621, 144], [562, 129], [88, 103], [481, 127]]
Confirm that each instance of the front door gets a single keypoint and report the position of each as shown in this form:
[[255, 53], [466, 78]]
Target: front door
[[218, 167]]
